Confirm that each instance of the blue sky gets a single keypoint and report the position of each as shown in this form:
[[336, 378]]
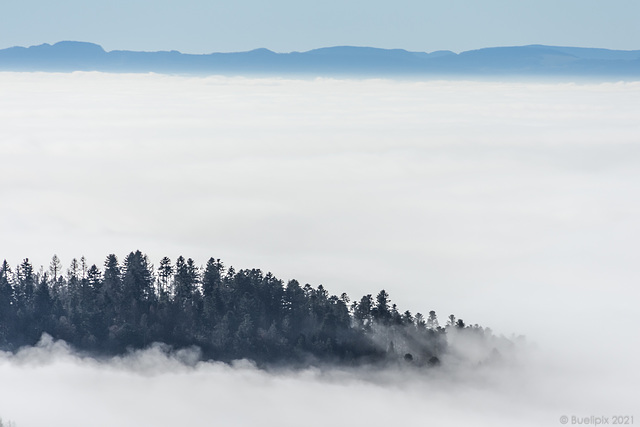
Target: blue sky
[[203, 26]]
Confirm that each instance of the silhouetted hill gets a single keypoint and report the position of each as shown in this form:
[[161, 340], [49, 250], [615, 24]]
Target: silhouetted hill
[[533, 60], [227, 314]]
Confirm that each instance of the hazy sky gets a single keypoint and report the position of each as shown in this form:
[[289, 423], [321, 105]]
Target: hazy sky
[[204, 26]]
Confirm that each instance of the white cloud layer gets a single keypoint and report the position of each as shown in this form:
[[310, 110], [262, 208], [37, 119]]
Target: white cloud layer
[[50, 385], [513, 205]]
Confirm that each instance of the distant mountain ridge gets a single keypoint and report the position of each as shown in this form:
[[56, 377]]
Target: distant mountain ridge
[[531, 60]]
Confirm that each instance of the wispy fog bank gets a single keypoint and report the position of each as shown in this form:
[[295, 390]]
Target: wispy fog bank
[[50, 385], [512, 205]]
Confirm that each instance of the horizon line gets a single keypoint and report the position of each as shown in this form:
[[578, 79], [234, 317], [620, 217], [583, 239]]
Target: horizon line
[[318, 48]]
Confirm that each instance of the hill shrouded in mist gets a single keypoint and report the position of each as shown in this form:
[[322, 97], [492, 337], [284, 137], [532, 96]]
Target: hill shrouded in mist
[[532, 60], [225, 314]]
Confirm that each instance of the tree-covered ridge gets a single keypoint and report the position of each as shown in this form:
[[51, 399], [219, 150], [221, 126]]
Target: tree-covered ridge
[[228, 314]]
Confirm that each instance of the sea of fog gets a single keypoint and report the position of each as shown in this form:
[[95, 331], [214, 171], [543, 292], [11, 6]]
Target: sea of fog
[[511, 205]]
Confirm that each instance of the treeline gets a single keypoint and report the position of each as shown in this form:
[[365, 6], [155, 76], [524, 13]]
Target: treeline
[[228, 314]]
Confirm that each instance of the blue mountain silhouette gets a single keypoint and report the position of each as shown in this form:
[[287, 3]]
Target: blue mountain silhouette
[[533, 60]]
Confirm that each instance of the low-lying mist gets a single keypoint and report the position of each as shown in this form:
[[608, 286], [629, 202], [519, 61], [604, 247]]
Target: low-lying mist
[[50, 384], [512, 205]]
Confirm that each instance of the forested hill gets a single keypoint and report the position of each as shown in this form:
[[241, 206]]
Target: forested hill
[[228, 314]]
